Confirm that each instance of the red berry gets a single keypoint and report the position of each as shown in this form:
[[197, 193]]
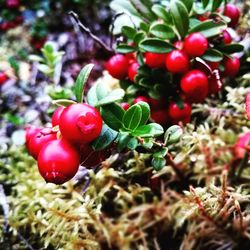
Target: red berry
[[155, 60], [58, 161], [195, 44], [233, 13], [3, 78], [132, 71], [227, 39], [177, 62], [38, 140], [125, 105], [141, 99], [247, 104], [31, 131], [179, 45], [80, 123], [214, 84], [177, 114], [213, 65], [203, 18], [12, 4], [160, 116], [56, 116], [242, 145], [232, 66], [194, 84], [19, 19], [157, 103], [117, 66]]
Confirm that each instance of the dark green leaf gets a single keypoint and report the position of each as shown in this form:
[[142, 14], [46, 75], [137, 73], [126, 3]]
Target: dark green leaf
[[63, 102], [123, 140], [124, 48], [155, 45], [132, 143], [161, 153], [81, 80], [216, 4], [161, 12], [209, 28], [149, 130], [144, 27], [188, 4], [180, 16], [162, 31], [213, 55], [132, 117], [205, 3], [112, 115], [106, 137], [158, 163], [232, 48], [139, 37], [128, 31], [140, 58]]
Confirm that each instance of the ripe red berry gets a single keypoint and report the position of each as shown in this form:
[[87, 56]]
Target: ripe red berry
[[214, 84], [242, 145], [227, 39], [80, 123], [38, 140], [247, 104], [131, 57], [213, 65], [30, 131], [132, 71], [177, 62], [117, 66], [125, 105], [177, 114], [179, 45], [160, 116], [232, 66], [194, 84], [157, 103], [3, 78], [195, 44], [233, 13], [12, 4], [141, 99], [155, 60], [56, 116], [58, 161], [203, 18]]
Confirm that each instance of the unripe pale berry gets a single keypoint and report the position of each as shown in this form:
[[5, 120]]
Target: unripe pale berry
[[177, 62], [155, 60], [80, 123], [117, 66], [58, 161], [195, 44], [132, 71]]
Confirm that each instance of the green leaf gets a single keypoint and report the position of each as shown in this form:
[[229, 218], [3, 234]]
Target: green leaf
[[101, 91], [205, 3], [155, 45], [149, 130], [216, 4], [161, 153], [209, 28], [132, 143], [124, 48], [139, 37], [81, 80], [91, 96], [36, 58], [112, 115], [213, 55], [180, 16], [162, 31], [161, 12], [144, 27], [113, 96], [232, 48], [106, 137], [63, 102], [158, 163], [145, 112], [173, 135], [128, 31], [132, 117], [123, 140], [188, 4]]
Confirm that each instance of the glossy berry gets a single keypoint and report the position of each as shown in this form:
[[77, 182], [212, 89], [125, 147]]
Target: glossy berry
[[125, 105], [214, 83], [155, 60], [3, 78], [233, 13], [58, 161], [177, 62], [232, 66], [194, 85], [141, 99], [227, 39], [12, 4], [80, 123], [178, 114], [242, 145], [157, 103], [179, 45], [56, 116], [247, 105], [38, 140], [213, 65], [195, 44], [132, 71], [117, 66], [160, 116]]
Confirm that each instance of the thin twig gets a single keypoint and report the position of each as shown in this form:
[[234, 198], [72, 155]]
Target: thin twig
[[5, 206]]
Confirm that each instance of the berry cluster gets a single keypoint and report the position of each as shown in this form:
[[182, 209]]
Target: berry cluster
[[186, 74], [60, 149]]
